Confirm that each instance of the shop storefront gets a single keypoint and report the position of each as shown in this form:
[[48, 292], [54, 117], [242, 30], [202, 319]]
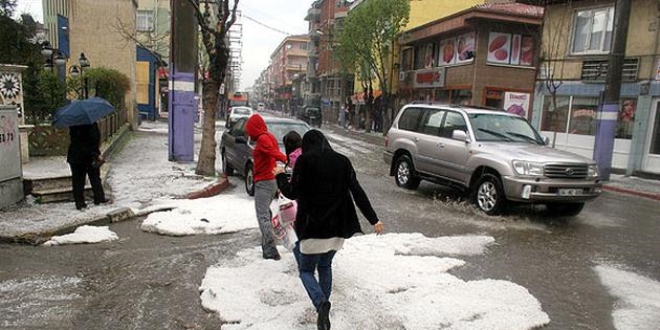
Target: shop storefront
[[466, 59]]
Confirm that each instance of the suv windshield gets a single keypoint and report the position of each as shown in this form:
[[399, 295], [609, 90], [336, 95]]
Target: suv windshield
[[497, 127]]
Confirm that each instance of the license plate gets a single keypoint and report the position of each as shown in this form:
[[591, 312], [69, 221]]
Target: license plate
[[569, 192]]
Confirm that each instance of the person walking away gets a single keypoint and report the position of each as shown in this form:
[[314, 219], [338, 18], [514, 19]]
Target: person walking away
[[266, 153], [84, 158], [325, 186]]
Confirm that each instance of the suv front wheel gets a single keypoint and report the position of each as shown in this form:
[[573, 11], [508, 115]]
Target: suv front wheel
[[404, 174], [489, 195]]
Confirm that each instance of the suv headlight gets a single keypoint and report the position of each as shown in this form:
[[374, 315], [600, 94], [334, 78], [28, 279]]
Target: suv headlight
[[523, 167], [592, 171]]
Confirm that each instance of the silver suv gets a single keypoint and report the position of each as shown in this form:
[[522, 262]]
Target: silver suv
[[494, 156]]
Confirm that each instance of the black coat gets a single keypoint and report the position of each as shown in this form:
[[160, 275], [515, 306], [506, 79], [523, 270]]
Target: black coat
[[84, 146], [324, 185]]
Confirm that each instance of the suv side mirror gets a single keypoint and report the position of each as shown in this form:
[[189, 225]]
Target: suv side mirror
[[546, 141], [460, 135]]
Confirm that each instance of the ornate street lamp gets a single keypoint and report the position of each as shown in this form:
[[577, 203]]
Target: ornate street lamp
[[79, 70]]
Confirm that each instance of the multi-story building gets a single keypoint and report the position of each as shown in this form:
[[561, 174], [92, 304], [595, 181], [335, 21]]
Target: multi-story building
[[484, 55], [326, 85], [421, 12], [89, 27], [577, 43], [287, 63]]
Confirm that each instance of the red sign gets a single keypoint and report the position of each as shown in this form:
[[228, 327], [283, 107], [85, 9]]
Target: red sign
[[430, 78]]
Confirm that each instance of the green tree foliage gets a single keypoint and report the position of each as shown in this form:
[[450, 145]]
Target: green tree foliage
[[109, 84], [366, 39]]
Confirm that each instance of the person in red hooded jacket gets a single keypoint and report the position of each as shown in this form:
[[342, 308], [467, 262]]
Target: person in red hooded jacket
[[266, 153]]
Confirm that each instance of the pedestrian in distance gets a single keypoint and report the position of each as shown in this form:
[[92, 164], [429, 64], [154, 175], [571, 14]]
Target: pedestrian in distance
[[266, 154], [85, 160], [326, 188]]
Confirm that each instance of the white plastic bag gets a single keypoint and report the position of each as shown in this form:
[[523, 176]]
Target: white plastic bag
[[290, 238], [287, 210]]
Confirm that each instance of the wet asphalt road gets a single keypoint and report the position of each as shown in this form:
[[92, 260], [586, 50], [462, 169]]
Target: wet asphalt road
[[146, 281]]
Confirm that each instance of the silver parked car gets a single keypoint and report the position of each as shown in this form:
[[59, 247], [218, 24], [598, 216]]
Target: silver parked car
[[236, 147], [495, 156]]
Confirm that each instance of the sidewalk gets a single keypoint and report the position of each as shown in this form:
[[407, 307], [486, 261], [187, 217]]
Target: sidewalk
[[140, 180]]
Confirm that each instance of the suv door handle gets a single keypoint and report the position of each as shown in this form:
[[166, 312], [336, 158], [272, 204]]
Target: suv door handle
[[441, 145], [416, 139]]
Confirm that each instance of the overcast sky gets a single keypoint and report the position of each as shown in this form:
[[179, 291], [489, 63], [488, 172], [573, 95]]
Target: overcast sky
[[277, 17]]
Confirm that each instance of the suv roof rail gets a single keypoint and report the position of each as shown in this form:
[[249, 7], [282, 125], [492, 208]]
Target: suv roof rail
[[480, 107], [428, 103]]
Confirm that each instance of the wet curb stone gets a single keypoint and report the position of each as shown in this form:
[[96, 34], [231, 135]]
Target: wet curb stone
[[632, 192], [117, 215]]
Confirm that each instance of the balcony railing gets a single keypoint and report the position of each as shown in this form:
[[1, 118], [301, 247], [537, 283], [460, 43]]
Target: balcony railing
[[313, 14]]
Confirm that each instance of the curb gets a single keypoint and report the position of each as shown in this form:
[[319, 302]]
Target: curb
[[117, 215], [213, 189], [632, 192]]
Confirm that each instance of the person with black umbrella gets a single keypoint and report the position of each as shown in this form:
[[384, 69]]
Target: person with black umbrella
[[84, 154], [85, 159]]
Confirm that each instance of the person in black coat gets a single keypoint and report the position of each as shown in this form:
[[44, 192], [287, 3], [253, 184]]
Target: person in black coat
[[84, 158], [325, 186]]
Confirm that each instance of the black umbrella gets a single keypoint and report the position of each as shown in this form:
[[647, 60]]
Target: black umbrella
[[82, 112]]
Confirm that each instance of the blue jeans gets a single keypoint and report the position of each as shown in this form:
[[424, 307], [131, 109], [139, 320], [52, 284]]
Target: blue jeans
[[318, 291]]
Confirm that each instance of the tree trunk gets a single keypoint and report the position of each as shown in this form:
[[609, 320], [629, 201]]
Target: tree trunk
[[206, 160]]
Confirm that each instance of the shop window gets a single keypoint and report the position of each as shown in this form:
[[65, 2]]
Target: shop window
[[583, 116], [461, 96], [555, 117], [494, 98], [655, 139], [626, 119], [592, 31], [441, 96]]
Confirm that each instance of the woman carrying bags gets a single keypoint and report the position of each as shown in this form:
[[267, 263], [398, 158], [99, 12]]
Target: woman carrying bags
[[325, 186]]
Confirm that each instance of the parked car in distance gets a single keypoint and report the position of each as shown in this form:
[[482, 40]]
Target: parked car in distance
[[236, 113], [236, 147], [311, 115], [261, 106], [494, 156]]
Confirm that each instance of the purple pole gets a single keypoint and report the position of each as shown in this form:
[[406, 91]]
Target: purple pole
[[182, 108], [604, 144]]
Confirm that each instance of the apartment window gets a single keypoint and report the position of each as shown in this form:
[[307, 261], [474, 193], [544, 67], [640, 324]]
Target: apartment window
[[145, 20], [303, 46], [592, 31]]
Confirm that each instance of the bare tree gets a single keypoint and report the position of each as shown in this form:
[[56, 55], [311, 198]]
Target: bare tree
[[554, 31], [215, 18]]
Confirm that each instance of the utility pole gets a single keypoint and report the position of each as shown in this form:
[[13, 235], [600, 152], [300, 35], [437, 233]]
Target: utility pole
[[183, 68], [609, 107]]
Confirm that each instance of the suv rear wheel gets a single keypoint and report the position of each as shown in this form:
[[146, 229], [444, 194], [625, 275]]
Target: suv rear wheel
[[489, 195], [404, 174]]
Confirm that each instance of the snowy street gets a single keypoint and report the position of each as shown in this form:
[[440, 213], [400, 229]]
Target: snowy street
[[196, 264]]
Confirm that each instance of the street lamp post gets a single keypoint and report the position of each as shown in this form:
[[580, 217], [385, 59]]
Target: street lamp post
[[54, 60], [79, 70]]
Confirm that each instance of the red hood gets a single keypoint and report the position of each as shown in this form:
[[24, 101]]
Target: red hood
[[255, 126]]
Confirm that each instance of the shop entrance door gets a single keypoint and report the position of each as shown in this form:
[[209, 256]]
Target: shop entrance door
[[651, 161]]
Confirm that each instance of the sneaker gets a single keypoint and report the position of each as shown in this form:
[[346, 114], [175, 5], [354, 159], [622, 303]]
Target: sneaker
[[81, 206], [323, 321], [274, 257]]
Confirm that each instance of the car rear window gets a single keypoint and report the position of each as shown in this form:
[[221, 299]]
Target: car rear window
[[242, 111], [409, 120]]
